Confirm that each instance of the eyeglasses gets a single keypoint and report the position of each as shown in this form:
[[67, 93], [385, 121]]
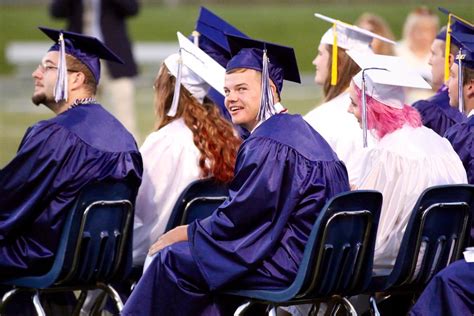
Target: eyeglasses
[[46, 68]]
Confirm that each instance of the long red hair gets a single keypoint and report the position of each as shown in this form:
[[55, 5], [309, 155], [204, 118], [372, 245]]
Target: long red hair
[[215, 137], [384, 119]]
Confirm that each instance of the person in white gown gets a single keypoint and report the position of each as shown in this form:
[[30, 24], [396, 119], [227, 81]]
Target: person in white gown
[[408, 157], [194, 143], [330, 119]]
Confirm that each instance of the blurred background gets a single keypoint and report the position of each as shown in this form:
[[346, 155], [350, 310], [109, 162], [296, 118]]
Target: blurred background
[[153, 32]]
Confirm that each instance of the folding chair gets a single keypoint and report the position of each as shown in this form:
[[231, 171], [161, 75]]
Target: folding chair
[[198, 200], [436, 234], [337, 261], [95, 247]]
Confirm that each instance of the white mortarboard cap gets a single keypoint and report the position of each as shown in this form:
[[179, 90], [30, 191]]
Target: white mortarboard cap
[[198, 71], [385, 77], [202, 64], [349, 36], [192, 82]]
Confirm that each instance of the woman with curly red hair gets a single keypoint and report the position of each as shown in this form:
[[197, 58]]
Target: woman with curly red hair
[[193, 143]]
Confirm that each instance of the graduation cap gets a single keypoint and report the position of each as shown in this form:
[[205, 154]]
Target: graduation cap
[[383, 79], [348, 37], [456, 24], [210, 35], [442, 34], [464, 58], [274, 61], [86, 49], [195, 70]]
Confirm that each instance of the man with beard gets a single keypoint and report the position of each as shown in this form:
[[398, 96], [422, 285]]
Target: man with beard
[[59, 156]]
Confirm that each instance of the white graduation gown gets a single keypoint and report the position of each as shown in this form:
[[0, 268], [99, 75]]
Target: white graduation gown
[[402, 166], [341, 130], [170, 163]]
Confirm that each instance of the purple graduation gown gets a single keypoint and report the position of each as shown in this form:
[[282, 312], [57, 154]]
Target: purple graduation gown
[[285, 173], [56, 158], [436, 112], [449, 293], [461, 136]]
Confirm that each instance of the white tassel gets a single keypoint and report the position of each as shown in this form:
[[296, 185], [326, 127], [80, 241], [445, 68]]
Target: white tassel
[[460, 56], [364, 111], [174, 105], [61, 88], [267, 108]]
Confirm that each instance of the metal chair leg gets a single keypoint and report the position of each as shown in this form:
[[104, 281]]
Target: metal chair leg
[[113, 294], [36, 302], [373, 306], [335, 308], [273, 311], [80, 303], [242, 308], [348, 306], [6, 297]]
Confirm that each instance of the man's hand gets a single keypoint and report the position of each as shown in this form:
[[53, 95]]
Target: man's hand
[[179, 233]]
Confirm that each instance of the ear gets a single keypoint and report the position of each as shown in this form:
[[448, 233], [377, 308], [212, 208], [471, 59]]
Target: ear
[[451, 60], [76, 80], [274, 91], [469, 90]]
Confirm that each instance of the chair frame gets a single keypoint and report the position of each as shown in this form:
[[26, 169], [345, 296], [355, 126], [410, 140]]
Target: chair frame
[[191, 195], [310, 271], [196, 200], [57, 278], [405, 277]]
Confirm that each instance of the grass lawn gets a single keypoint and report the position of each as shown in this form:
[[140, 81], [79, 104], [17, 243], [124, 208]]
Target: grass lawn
[[292, 25]]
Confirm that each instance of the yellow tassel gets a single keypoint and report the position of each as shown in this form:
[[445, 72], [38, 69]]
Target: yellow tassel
[[447, 50], [334, 56]]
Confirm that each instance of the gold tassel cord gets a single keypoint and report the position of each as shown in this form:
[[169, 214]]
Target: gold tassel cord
[[334, 56]]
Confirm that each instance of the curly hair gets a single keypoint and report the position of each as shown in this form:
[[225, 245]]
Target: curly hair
[[215, 137], [384, 119], [346, 69]]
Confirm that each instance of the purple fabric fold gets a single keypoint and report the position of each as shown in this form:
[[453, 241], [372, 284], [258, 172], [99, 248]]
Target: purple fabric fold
[[285, 173], [56, 158]]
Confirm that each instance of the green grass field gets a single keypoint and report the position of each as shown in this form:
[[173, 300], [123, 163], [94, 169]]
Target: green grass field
[[292, 25]]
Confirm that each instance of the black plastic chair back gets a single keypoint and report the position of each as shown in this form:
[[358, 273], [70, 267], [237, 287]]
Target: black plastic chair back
[[339, 253], [436, 234], [101, 247], [199, 200], [342, 255], [96, 241]]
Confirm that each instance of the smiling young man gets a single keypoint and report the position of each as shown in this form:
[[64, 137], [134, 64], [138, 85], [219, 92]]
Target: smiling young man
[[285, 173], [59, 156]]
